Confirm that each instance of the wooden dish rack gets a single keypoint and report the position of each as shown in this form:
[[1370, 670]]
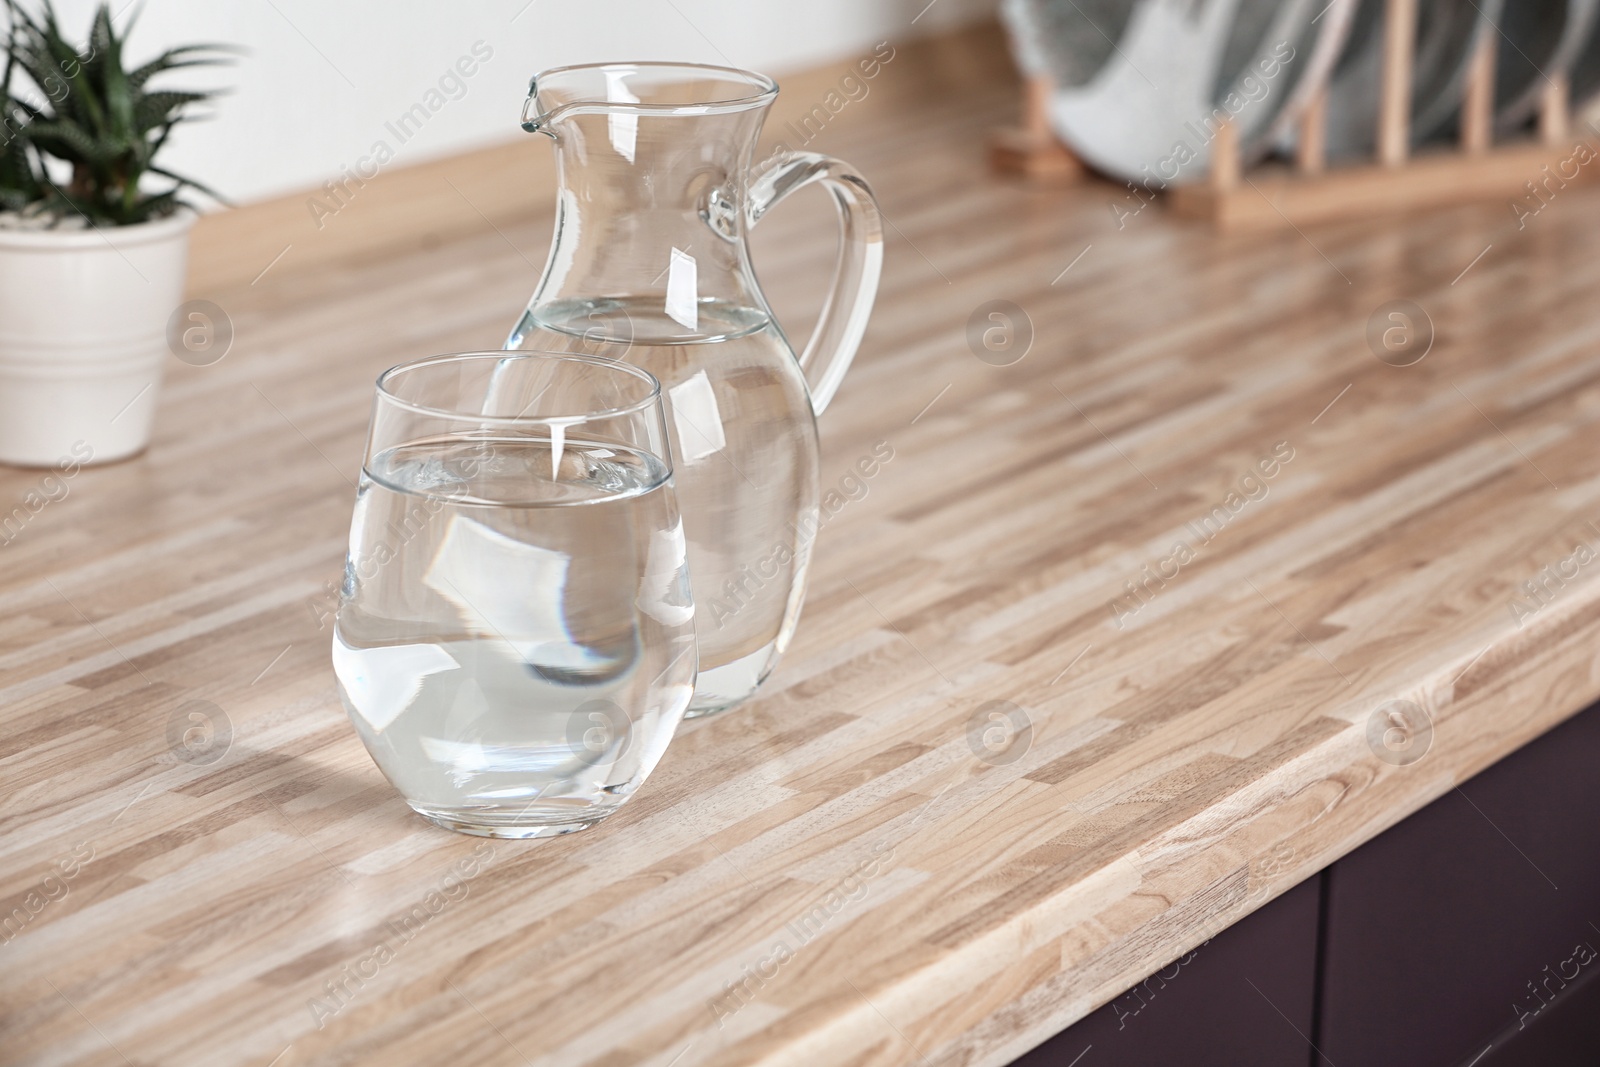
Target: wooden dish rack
[[1308, 190]]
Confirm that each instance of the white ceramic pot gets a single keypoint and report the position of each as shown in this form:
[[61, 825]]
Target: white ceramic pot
[[83, 337]]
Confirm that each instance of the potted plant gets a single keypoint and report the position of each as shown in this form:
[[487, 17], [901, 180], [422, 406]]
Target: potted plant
[[92, 261]]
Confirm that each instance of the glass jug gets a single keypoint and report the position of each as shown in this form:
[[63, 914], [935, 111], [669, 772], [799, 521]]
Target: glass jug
[[649, 265]]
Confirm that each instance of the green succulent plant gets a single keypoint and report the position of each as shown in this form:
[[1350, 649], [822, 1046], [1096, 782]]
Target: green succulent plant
[[97, 117], [19, 180]]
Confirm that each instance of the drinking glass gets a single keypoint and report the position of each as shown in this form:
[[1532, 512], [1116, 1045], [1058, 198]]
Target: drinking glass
[[515, 641]]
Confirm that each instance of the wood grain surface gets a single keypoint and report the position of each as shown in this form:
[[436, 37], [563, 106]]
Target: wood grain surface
[[862, 866]]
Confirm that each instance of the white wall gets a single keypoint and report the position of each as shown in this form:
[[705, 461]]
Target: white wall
[[323, 77]]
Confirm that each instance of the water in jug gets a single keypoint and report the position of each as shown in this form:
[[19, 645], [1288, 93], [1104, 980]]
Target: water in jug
[[658, 189]]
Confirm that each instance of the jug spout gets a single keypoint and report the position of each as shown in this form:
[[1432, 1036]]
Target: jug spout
[[537, 122]]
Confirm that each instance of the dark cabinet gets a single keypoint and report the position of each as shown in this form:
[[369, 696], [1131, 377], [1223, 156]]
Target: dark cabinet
[[1457, 929], [1466, 936], [1567, 1034]]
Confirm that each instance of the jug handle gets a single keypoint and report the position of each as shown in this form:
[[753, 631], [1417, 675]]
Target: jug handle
[[833, 343]]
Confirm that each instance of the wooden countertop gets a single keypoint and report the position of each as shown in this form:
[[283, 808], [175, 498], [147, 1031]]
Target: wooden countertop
[[841, 872]]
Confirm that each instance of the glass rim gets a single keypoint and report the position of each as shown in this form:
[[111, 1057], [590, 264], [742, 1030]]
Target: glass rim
[[652, 397], [763, 88]]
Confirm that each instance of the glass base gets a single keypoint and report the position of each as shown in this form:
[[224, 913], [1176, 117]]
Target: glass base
[[721, 688], [507, 827]]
